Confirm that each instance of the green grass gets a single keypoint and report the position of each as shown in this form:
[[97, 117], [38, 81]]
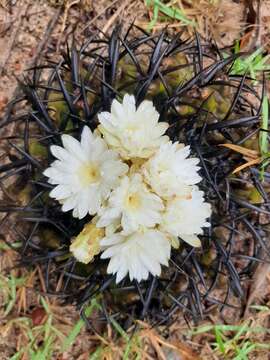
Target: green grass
[[46, 333], [131, 345], [9, 285], [70, 339], [4, 246], [46, 341], [164, 11], [234, 341], [252, 65], [263, 137], [129, 342]]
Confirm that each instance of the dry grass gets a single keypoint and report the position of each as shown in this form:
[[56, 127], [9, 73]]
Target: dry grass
[[222, 20], [37, 327]]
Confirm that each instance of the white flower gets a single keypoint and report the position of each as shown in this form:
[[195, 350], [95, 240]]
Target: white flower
[[169, 171], [137, 254], [186, 217], [133, 204], [133, 132], [85, 172]]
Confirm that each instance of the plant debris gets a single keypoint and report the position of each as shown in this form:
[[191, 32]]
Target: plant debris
[[205, 106]]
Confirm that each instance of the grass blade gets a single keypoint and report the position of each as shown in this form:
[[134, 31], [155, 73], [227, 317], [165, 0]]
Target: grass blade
[[77, 328]]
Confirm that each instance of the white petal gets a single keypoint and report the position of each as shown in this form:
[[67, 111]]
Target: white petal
[[69, 203], [73, 146], [83, 208], [75, 212], [129, 103], [126, 129], [121, 273], [134, 254], [153, 267], [60, 153], [114, 265], [133, 204], [93, 199], [111, 240], [87, 139], [117, 109], [111, 251], [186, 216], [60, 192], [107, 217], [192, 240]]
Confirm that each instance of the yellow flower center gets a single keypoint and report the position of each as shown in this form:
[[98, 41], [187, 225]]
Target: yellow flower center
[[131, 129], [133, 201], [89, 174]]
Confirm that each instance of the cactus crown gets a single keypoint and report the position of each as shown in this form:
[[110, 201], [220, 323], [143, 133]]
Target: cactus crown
[[205, 105]]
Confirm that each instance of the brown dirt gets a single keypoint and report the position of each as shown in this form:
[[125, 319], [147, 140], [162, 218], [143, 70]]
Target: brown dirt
[[35, 30]]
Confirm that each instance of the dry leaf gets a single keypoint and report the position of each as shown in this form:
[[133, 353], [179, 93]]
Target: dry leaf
[[251, 156]]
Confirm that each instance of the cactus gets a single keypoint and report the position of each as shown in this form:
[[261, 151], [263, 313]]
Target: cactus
[[192, 88]]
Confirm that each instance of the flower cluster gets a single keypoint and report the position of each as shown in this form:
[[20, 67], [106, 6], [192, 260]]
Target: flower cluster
[[139, 186]]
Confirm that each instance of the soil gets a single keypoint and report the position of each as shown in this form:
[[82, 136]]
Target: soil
[[36, 31]]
